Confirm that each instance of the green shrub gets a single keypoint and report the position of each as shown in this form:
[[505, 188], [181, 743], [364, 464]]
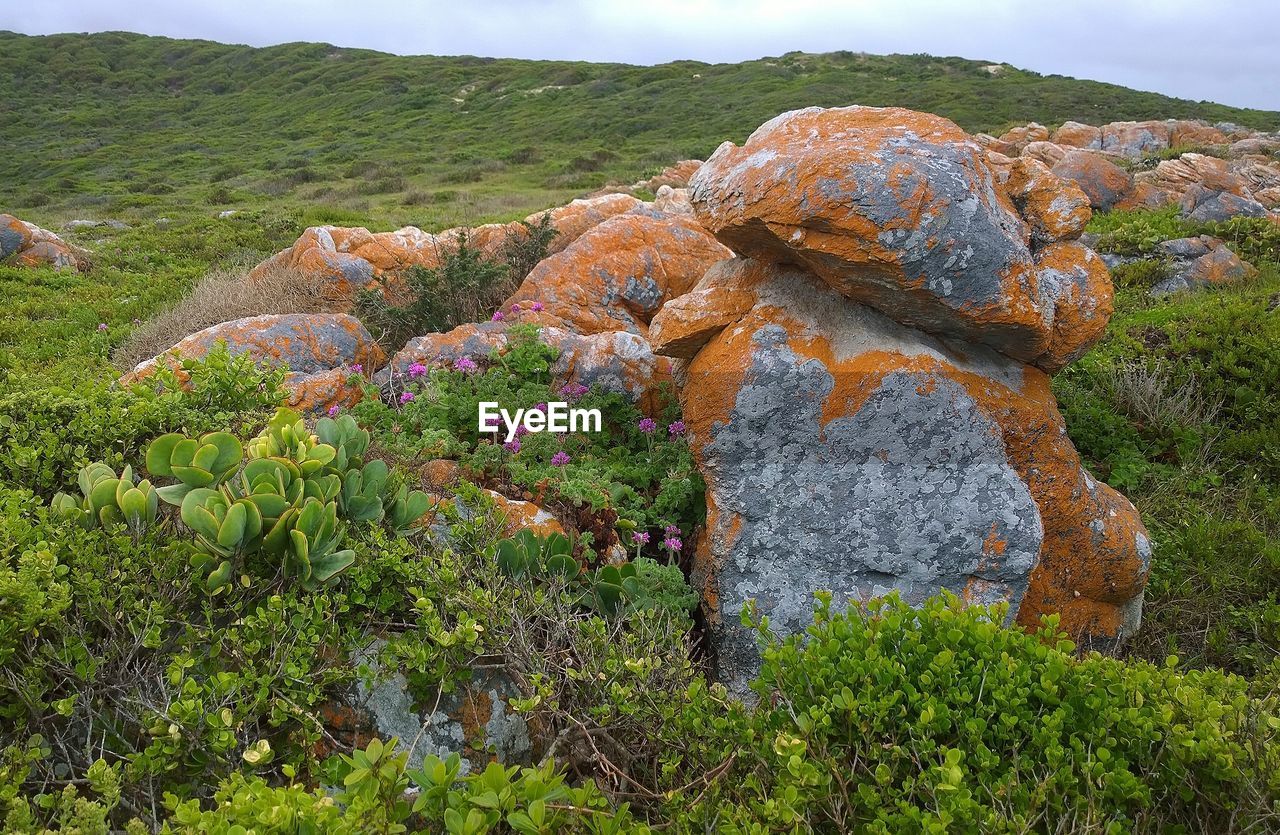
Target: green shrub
[[940, 719]]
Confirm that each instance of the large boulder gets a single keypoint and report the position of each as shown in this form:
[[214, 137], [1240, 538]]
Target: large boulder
[[901, 211], [675, 176], [1204, 203], [845, 451], [1184, 133], [618, 274], [27, 245], [319, 350], [349, 259], [1017, 138], [1102, 180], [1202, 262], [1079, 135], [1133, 139]]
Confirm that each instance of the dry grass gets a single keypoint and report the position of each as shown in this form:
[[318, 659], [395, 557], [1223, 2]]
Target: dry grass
[[221, 296], [1147, 392]]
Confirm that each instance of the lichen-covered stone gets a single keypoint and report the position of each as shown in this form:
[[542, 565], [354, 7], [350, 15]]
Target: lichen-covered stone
[[1105, 183], [27, 245], [1203, 203], [616, 275], [1079, 135], [895, 209], [1054, 208], [847, 452], [1217, 267], [1133, 139], [307, 343]]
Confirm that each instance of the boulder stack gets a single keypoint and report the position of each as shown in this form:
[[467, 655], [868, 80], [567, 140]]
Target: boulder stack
[[27, 245], [866, 384]]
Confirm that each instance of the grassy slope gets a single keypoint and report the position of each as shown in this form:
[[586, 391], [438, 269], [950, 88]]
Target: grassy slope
[[122, 124]]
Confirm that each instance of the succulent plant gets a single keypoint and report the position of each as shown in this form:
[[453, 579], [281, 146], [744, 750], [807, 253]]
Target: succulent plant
[[204, 462], [286, 436], [314, 557], [526, 553], [347, 438], [405, 507], [612, 586], [225, 526], [361, 496], [108, 498]]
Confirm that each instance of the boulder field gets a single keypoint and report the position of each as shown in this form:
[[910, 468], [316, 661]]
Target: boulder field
[[860, 309]]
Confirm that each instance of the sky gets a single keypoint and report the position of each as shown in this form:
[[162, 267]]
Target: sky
[[1227, 51]]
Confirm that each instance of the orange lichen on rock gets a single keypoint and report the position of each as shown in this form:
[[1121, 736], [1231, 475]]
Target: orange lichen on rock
[[27, 245]]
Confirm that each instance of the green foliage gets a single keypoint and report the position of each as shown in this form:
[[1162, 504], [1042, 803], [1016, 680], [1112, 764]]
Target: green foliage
[[940, 719], [619, 475], [466, 287], [294, 123], [1140, 231], [108, 499], [47, 434]]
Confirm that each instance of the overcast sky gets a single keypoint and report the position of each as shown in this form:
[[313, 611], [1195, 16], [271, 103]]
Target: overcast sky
[[1228, 51]]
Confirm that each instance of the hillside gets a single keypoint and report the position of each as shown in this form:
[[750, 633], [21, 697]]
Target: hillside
[[119, 124]]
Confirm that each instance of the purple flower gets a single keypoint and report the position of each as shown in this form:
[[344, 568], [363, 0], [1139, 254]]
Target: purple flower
[[497, 316], [465, 364], [357, 368], [417, 370], [536, 307], [671, 530], [672, 543], [512, 446], [647, 425], [521, 431], [560, 459], [334, 409], [573, 390], [515, 309], [676, 428], [405, 397], [640, 537], [102, 326], [540, 407]]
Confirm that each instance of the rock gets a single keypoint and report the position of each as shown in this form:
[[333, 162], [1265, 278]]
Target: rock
[[24, 244], [1268, 197], [81, 225], [1079, 135], [1105, 183], [475, 720], [1207, 204], [1046, 152], [894, 209], [673, 201], [675, 176], [349, 259], [1076, 285], [1054, 208], [520, 515], [223, 215], [1216, 268], [1172, 177], [616, 275], [1256, 175], [1188, 247], [1184, 133], [1254, 145], [1017, 138], [1133, 139], [318, 392], [307, 343], [845, 451]]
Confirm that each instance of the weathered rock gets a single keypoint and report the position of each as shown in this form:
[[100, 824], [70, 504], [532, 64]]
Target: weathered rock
[[1079, 135], [616, 276], [1103, 181], [847, 452], [673, 201], [1188, 247], [675, 176], [1216, 268], [1046, 152], [307, 343], [1206, 204], [318, 392], [1018, 138], [27, 245], [1184, 133], [351, 259], [1133, 139], [1056, 209], [1075, 284], [1172, 177], [1268, 197], [1254, 145], [1257, 173], [475, 720], [892, 208]]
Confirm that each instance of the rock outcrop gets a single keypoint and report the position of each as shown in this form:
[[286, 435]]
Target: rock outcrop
[[24, 244], [319, 349], [1201, 262], [867, 387]]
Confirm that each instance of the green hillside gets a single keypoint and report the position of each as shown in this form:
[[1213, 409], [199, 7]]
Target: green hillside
[[120, 123]]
